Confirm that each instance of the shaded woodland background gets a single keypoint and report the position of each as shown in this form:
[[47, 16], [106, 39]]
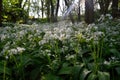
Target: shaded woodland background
[[18, 10]]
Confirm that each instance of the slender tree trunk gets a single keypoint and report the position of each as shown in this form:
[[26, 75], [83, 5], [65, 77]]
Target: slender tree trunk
[[20, 3], [89, 11], [79, 18], [70, 15], [48, 10], [0, 13], [114, 8], [104, 4], [42, 4], [57, 9], [52, 11], [28, 6], [24, 4], [107, 3]]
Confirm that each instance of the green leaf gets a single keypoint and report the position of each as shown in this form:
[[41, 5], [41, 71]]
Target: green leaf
[[4, 69], [118, 70], [5, 16], [103, 76], [76, 71], [65, 70], [25, 60], [35, 73], [51, 77], [42, 34], [92, 76], [115, 64], [115, 52], [84, 74]]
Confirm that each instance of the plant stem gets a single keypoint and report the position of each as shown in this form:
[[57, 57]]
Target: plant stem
[[4, 76]]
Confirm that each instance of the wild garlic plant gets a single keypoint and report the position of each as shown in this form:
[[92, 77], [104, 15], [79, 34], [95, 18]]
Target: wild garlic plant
[[58, 49]]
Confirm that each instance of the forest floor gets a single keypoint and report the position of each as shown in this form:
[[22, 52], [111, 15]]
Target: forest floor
[[54, 49]]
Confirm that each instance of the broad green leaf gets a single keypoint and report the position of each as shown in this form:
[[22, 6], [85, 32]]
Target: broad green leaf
[[103, 76], [35, 73], [115, 64], [84, 74], [90, 66], [76, 71], [115, 52], [25, 60], [92, 76], [65, 70], [118, 70], [51, 77], [42, 34], [5, 16]]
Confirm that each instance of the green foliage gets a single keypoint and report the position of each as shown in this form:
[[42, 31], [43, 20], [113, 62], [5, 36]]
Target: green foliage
[[80, 52], [12, 12]]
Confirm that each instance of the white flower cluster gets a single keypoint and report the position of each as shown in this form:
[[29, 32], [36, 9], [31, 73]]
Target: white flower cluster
[[34, 35], [59, 31], [8, 52], [89, 32], [16, 50]]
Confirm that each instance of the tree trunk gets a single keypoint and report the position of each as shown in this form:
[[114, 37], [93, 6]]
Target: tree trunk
[[89, 11], [48, 10], [57, 9], [79, 19], [104, 4], [70, 15], [42, 4], [52, 11], [0, 13], [23, 7], [114, 8], [20, 3]]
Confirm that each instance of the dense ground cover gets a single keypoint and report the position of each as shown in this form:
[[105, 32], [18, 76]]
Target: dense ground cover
[[61, 51]]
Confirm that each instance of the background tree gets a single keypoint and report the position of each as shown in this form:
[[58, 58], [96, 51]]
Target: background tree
[[52, 18], [89, 11], [54, 7], [104, 5], [0, 13], [42, 8], [67, 3], [114, 8], [13, 11], [47, 4], [57, 9], [79, 11], [19, 3], [22, 10]]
